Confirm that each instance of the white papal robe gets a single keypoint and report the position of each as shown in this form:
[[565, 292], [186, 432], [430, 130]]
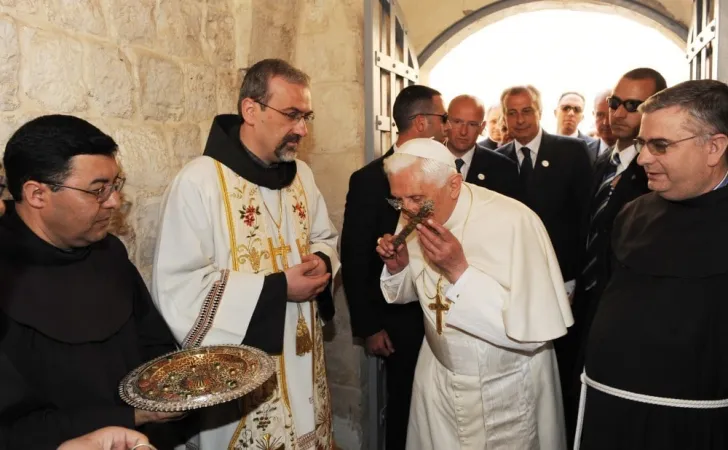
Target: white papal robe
[[210, 264], [490, 380]]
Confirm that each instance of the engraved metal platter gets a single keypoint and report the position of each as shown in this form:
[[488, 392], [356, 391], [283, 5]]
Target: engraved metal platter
[[196, 378]]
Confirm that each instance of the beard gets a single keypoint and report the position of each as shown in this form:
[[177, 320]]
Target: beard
[[284, 152]]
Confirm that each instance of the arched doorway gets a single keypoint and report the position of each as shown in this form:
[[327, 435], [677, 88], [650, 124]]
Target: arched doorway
[[672, 23], [557, 51]]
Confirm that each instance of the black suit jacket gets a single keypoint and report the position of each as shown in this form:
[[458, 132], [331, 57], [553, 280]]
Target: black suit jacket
[[631, 184], [494, 171], [559, 192], [368, 216], [591, 144], [593, 147], [488, 143]]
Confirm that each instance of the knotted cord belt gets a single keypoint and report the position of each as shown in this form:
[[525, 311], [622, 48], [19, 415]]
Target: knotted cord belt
[[587, 382]]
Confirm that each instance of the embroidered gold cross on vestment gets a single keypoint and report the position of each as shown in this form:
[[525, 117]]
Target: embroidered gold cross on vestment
[[281, 251]]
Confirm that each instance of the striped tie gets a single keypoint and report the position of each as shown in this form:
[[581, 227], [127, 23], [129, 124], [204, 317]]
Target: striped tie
[[601, 199]]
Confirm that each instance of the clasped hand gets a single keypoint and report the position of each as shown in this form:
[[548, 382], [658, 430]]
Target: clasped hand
[[307, 279]]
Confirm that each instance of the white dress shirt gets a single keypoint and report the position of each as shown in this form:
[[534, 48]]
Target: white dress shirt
[[625, 157], [533, 146], [603, 147], [467, 161]]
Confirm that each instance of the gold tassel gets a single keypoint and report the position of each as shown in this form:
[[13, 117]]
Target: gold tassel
[[304, 344]]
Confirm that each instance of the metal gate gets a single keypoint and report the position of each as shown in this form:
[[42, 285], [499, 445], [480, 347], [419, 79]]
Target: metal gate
[[390, 65], [706, 53]]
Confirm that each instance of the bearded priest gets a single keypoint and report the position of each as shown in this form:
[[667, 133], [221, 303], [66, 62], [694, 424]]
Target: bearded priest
[[486, 276]]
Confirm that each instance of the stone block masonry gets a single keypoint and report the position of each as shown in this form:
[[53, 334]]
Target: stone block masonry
[[153, 73]]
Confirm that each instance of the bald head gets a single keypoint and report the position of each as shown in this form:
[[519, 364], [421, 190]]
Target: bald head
[[467, 120], [467, 102]]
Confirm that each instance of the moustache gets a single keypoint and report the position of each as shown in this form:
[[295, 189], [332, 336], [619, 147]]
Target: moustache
[[291, 138]]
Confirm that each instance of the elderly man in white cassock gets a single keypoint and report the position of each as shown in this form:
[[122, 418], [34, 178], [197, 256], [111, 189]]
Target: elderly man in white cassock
[[484, 271]]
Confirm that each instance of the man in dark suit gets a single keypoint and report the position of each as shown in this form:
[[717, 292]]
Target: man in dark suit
[[477, 164], [493, 125], [569, 114], [393, 332], [556, 182], [617, 181], [556, 177], [607, 139]]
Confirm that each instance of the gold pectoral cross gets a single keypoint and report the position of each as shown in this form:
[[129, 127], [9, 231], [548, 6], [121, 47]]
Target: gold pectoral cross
[[439, 307], [281, 251]]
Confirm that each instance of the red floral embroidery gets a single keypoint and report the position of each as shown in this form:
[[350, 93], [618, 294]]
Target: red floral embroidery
[[248, 215], [300, 209]]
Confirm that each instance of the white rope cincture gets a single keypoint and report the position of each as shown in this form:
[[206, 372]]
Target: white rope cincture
[[635, 397]]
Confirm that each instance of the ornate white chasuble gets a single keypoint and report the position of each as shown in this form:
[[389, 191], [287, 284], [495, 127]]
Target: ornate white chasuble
[[258, 244]]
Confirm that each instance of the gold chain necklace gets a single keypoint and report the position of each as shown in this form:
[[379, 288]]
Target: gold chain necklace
[[438, 306], [304, 343]]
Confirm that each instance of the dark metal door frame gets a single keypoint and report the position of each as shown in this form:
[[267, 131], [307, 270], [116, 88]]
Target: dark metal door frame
[[390, 65]]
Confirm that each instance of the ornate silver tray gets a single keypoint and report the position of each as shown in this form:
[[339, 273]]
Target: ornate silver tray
[[196, 378]]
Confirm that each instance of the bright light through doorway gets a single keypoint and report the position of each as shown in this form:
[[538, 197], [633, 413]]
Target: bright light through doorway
[[556, 51]]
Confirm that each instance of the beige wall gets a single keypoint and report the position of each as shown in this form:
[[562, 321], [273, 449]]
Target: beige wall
[[153, 74]]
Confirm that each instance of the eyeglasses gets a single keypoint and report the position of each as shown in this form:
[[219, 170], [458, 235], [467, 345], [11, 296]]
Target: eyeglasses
[[659, 147], [293, 116], [442, 117], [102, 194], [568, 108], [630, 104]]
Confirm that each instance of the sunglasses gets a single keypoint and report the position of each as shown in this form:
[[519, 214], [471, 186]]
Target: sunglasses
[[568, 108], [630, 104], [442, 117]]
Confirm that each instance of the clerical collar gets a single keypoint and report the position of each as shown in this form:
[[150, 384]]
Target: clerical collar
[[723, 182], [224, 145]]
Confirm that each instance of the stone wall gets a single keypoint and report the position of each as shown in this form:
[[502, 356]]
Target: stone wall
[[153, 73], [329, 46]]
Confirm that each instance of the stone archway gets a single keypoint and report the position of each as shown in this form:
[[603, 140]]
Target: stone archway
[[432, 40]]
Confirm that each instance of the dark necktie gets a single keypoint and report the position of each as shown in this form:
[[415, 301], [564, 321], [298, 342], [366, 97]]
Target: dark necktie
[[601, 199], [459, 163], [526, 166]]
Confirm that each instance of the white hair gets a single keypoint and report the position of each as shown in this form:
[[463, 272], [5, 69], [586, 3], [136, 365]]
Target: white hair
[[431, 171]]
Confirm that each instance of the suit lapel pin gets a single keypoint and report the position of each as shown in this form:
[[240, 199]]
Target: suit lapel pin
[[545, 163], [481, 177]]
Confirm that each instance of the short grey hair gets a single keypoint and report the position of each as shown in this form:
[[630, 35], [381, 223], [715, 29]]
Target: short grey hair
[[601, 95], [705, 101], [257, 80], [432, 171], [516, 90], [492, 107]]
